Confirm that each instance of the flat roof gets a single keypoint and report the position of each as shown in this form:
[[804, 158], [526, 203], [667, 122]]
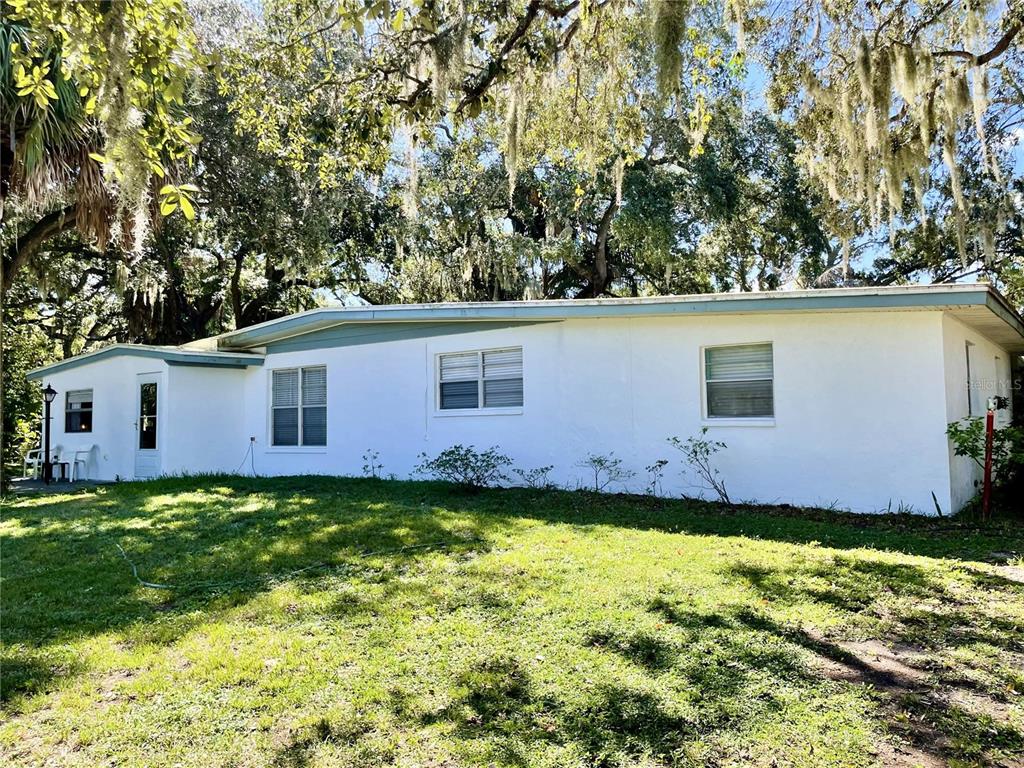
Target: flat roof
[[170, 355], [979, 306], [996, 319]]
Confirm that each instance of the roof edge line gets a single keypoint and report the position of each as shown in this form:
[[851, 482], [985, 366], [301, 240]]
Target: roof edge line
[[170, 355], [927, 297]]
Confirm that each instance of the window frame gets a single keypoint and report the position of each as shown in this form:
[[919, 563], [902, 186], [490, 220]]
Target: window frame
[[90, 409], [299, 447], [155, 418], [968, 346], [738, 421], [481, 409]]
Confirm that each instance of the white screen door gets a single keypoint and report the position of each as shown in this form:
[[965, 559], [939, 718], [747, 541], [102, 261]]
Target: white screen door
[[147, 426]]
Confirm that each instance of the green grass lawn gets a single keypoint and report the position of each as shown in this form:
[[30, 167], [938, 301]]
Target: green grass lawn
[[313, 622]]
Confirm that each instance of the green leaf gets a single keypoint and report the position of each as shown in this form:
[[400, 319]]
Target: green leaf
[[187, 209], [97, 157], [167, 207]]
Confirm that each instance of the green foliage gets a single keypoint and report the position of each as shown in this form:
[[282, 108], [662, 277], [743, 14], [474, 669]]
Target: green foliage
[[739, 215], [297, 84], [699, 454], [536, 477], [24, 347], [372, 466], [79, 76], [466, 466], [605, 470], [968, 438], [656, 471], [348, 72], [931, 94], [929, 250]]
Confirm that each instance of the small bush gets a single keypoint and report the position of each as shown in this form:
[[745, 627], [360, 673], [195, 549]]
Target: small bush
[[371, 464], [699, 453], [968, 438], [535, 478], [606, 470], [656, 471], [466, 466]]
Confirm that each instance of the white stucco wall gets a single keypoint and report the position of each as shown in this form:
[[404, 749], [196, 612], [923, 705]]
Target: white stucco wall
[[859, 405], [113, 383], [206, 428], [990, 375]]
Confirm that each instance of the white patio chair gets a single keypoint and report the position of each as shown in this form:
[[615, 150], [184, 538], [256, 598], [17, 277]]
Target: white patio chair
[[33, 458], [81, 456]]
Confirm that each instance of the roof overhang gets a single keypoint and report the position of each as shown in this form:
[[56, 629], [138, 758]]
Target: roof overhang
[[979, 306], [170, 355]]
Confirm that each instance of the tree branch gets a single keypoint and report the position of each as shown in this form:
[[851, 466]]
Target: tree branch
[[497, 64], [23, 248], [997, 50]]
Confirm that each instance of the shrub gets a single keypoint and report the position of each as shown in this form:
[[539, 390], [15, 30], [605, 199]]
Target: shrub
[[535, 478], [699, 454], [606, 470], [968, 438], [657, 474], [466, 466], [371, 464]]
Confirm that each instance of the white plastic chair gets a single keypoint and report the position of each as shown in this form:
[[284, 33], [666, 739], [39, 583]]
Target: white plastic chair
[[34, 458], [81, 456]]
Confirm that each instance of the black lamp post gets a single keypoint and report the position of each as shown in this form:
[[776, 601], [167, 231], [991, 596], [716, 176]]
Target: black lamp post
[[48, 394]]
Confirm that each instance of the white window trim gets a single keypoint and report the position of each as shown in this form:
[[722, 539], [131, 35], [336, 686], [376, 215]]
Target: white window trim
[[91, 409], [480, 410], [733, 421], [300, 448]]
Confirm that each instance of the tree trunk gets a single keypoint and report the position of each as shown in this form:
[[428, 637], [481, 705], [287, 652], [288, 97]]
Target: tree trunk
[[24, 247], [602, 275]]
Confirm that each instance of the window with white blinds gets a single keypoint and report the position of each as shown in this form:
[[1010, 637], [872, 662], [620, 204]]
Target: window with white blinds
[[298, 406], [490, 378], [78, 411], [739, 381]]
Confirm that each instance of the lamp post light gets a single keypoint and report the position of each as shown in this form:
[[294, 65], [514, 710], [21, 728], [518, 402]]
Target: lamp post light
[[48, 394]]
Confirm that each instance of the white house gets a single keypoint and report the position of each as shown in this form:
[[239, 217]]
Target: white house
[[826, 397]]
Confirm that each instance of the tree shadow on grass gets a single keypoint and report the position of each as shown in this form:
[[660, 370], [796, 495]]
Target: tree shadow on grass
[[237, 538], [951, 538], [65, 578], [642, 647], [937, 618], [920, 709], [503, 719]]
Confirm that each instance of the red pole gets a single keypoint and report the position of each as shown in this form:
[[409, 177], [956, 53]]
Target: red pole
[[986, 494]]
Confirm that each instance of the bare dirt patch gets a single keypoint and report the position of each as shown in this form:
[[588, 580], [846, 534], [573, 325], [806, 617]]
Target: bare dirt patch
[[916, 701]]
